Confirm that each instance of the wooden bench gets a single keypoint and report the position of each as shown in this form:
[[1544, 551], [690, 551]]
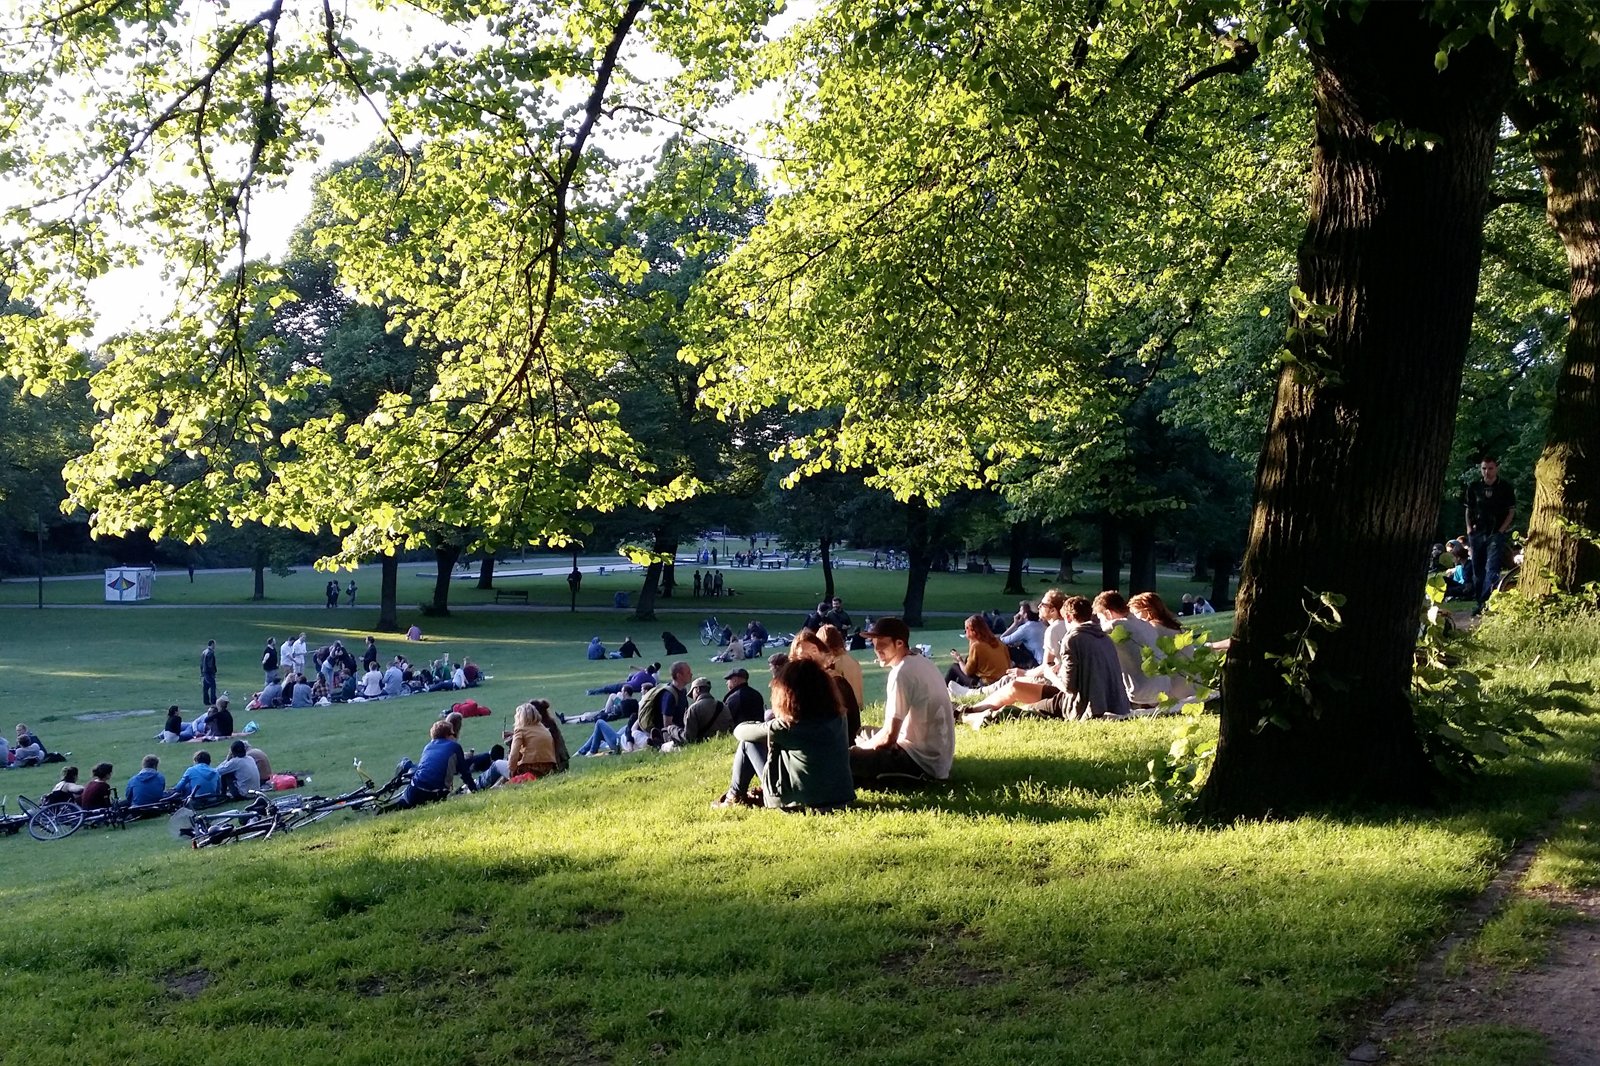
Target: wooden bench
[[511, 596]]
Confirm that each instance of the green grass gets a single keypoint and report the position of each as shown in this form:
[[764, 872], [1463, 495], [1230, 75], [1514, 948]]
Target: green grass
[[1570, 859], [1039, 907], [1516, 938], [793, 591]]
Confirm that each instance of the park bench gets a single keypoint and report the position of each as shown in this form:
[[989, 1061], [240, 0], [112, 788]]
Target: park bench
[[511, 596]]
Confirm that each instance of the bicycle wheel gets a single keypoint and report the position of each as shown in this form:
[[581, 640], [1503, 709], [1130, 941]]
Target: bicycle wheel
[[54, 821], [705, 636]]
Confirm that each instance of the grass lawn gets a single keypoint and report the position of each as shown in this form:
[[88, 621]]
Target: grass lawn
[[1037, 908]]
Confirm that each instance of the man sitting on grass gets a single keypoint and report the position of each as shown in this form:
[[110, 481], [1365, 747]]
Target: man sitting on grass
[[441, 761], [238, 773], [918, 737], [147, 786], [199, 782], [623, 704]]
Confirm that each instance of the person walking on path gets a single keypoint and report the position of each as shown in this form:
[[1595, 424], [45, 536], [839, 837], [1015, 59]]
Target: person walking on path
[[208, 674], [350, 591], [1491, 508]]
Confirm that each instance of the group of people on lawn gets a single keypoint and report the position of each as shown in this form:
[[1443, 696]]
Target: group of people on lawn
[[245, 770], [337, 676]]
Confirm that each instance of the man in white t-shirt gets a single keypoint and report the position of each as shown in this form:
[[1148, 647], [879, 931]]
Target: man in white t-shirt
[[918, 736]]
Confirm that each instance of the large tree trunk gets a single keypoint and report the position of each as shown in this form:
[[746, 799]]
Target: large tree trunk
[[486, 571], [825, 549], [389, 595], [919, 560], [1020, 543], [1566, 143], [444, 557], [1142, 565], [665, 547], [1110, 554], [1221, 571], [258, 568], [1067, 574], [1348, 485]]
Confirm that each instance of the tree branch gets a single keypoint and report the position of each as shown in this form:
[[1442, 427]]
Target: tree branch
[[1244, 56]]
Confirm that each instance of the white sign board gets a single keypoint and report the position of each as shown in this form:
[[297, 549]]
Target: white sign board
[[129, 584]]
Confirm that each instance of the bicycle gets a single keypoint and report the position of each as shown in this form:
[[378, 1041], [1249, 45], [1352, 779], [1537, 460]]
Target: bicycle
[[59, 820], [711, 632], [10, 824]]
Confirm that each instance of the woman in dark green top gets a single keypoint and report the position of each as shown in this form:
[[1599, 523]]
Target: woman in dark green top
[[808, 745]]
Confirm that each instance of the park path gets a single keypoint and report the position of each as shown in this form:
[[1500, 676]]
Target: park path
[[1557, 997]]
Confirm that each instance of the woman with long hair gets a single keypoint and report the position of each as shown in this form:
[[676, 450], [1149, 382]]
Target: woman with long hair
[[1153, 609], [807, 750], [533, 748], [987, 659]]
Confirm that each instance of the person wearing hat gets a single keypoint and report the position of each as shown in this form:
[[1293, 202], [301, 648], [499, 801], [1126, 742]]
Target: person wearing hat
[[918, 737], [745, 704], [707, 716]]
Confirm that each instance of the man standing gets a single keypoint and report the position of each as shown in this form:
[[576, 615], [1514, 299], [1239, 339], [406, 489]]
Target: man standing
[[918, 736], [350, 591], [1491, 508], [744, 703], [208, 674], [331, 591]]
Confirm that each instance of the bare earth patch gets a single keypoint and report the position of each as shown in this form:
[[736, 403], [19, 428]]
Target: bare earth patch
[[1556, 997], [188, 985]]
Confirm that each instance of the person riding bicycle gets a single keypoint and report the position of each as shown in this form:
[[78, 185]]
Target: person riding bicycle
[[441, 761]]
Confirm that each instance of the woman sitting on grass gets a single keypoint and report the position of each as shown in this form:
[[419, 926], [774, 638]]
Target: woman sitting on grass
[[536, 744], [67, 790], [1153, 609], [987, 659], [807, 764], [97, 793]]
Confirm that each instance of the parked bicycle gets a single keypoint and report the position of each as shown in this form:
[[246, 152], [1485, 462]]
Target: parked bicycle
[[268, 815]]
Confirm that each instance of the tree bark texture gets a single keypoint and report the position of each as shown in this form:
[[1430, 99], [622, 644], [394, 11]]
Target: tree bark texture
[[1221, 573], [1067, 574], [258, 567], [1564, 125], [1020, 543], [825, 549], [665, 547], [486, 571], [1142, 558], [389, 595], [1349, 480], [919, 561], [444, 559], [1110, 554]]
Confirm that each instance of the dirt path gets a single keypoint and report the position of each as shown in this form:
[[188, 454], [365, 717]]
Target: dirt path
[[1557, 998]]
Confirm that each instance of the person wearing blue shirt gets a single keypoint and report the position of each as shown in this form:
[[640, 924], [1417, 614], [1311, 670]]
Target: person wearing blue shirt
[[146, 786], [441, 760], [200, 780], [597, 650]]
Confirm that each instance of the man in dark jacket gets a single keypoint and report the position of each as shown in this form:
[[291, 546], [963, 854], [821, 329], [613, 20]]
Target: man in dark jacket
[[744, 703]]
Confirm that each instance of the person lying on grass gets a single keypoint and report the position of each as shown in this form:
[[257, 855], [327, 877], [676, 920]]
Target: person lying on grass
[[624, 704], [640, 681], [805, 746]]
